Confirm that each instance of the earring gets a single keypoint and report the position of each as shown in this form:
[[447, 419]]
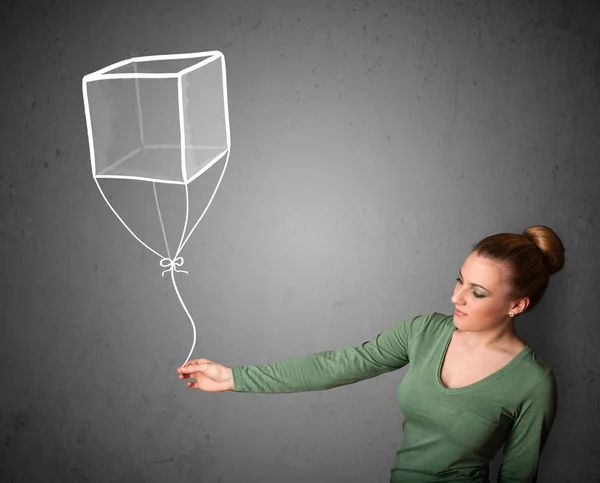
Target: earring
[[512, 314]]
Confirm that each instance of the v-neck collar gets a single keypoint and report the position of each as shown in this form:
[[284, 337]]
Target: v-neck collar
[[494, 375]]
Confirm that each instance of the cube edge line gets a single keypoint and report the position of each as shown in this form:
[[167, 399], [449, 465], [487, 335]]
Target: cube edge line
[[208, 57], [103, 73]]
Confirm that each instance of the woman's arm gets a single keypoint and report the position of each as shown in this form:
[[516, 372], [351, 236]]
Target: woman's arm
[[529, 433], [326, 370]]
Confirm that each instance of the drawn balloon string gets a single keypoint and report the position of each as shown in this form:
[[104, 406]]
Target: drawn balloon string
[[130, 139]]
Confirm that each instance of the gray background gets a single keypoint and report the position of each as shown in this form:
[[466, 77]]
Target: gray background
[[373, 144]]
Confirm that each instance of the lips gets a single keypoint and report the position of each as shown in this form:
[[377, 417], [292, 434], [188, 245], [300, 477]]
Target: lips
[[458, 312]]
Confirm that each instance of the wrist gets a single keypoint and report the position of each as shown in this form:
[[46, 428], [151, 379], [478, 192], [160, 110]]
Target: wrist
[[230, 379]]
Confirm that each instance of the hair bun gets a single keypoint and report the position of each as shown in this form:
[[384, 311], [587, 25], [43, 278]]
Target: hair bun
[[549, 244]]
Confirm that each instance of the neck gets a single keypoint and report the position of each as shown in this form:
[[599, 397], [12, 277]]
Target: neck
[[491, 338]]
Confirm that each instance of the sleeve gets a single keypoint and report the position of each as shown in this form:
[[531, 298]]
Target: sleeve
[[529, 433], [325, 370]]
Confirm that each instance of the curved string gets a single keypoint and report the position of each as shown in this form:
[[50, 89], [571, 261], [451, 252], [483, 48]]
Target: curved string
[[177, 261], [209, 202], [121, 220], [188, 314], [161, 224]]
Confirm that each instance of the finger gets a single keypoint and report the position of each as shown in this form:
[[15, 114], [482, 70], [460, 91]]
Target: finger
[[192, 368], [188, 363], [192, 385]]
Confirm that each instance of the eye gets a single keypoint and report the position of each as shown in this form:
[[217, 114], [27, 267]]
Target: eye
[[479, 296]]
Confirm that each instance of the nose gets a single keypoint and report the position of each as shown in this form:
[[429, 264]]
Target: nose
[[455, 298]]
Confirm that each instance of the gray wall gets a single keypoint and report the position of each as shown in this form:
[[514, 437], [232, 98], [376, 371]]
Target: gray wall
[[373, 144]]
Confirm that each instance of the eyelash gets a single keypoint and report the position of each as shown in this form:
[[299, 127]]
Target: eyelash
[[474, 293]]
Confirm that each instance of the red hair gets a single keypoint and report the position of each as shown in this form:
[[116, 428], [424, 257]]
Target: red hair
[[532, 257]]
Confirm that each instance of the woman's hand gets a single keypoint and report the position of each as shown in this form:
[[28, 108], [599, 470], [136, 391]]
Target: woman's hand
[[210, 376]]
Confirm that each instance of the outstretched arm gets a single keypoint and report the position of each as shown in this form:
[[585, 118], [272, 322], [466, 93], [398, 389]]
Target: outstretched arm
[[326, 370]]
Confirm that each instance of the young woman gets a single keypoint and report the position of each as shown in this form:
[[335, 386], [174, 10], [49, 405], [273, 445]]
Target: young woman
[[472, 384]]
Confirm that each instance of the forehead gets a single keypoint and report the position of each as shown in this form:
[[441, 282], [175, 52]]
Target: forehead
[[484, 271]]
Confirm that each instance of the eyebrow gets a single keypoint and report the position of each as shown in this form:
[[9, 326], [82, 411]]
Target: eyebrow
[[474, 284]]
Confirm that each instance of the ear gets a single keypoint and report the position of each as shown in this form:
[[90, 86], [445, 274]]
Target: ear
[[522, 304]]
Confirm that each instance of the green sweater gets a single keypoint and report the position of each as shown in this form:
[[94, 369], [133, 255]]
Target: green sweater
[[450, 435]]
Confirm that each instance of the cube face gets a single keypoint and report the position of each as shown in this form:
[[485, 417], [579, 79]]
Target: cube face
[[137, 112], [205, 118], [114, 122]]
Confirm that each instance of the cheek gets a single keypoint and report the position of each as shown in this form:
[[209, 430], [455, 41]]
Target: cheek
[[483, 312]]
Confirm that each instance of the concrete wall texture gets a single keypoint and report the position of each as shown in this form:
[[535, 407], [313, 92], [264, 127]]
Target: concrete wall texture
[[373, 142]]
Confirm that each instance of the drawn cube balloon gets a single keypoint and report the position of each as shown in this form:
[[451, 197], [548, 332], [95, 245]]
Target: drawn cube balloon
[[161, 118]]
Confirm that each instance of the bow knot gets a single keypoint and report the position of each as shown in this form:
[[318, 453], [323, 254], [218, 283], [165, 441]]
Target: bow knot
[[172, 264]]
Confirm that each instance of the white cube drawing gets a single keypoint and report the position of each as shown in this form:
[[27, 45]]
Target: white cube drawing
[[161, 118]]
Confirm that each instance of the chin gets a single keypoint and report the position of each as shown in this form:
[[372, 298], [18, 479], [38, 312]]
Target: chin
[[460, 322]]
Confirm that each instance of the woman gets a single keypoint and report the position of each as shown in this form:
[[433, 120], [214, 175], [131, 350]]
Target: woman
[[472, 384]]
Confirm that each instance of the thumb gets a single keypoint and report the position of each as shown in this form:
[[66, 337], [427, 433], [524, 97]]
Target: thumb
[[196, 366], [196, 361]]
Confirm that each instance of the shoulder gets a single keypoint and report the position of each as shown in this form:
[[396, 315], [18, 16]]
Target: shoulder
[[428, 324], [537, 379], [535, 368]]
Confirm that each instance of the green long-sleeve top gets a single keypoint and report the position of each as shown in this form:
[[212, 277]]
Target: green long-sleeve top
[[450, 435]]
